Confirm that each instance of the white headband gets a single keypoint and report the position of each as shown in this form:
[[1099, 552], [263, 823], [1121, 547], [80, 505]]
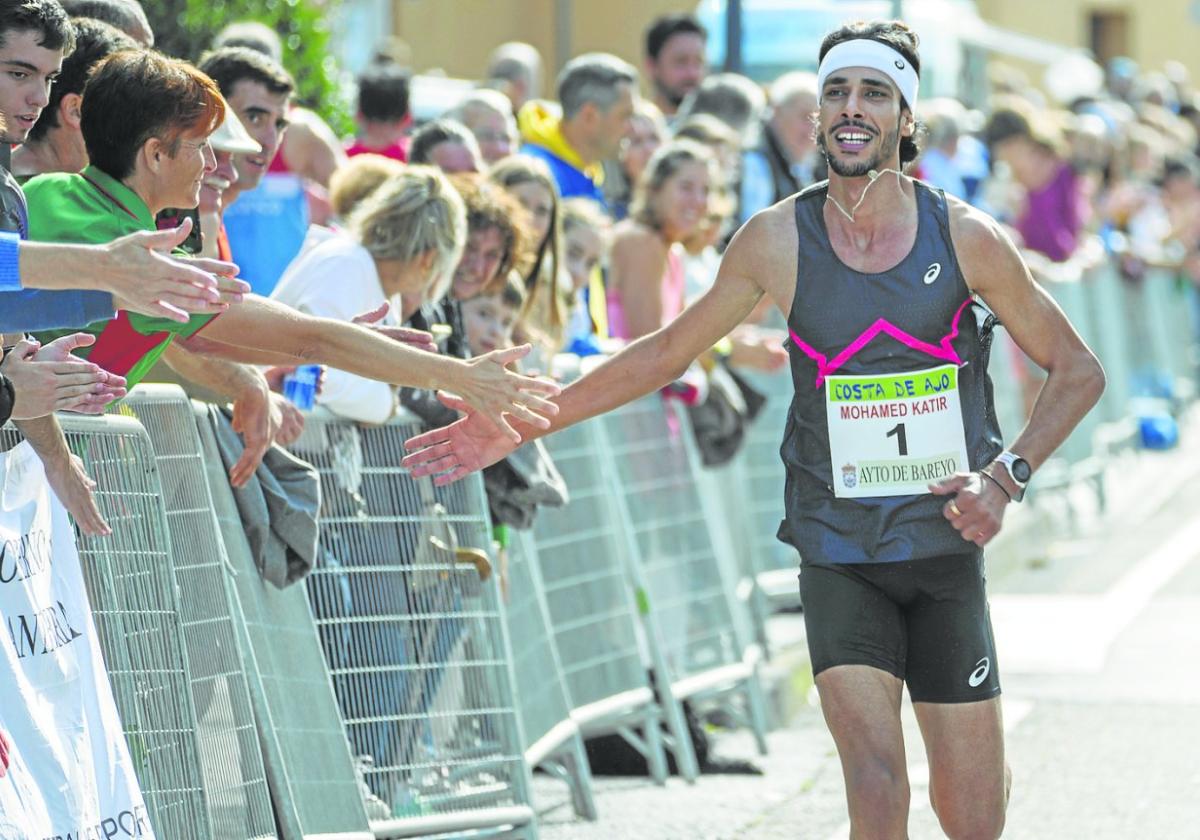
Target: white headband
[[863, 52]]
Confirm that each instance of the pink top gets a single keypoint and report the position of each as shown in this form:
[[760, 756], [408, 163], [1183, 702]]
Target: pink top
[[673, 287], [396, 151]]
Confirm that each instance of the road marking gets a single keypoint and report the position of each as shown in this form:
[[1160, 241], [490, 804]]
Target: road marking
[[1071, 634]]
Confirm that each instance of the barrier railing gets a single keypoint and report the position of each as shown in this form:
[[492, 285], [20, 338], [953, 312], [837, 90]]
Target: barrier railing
[[595, 610], [314, 785], [414, 637], [553, 741], [692, 613], [236, 794], [132, 589]]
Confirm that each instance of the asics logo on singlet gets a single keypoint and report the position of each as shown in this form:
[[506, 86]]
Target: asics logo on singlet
[[932, 274], [982, 668]]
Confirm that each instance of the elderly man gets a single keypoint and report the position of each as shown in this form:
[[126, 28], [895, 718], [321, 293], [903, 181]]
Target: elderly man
[[782, 161], [487, 115], [146, 120]]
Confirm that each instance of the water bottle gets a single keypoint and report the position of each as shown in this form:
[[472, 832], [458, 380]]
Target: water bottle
[[300, 387]]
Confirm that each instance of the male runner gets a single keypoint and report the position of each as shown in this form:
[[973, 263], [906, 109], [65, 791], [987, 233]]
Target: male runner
[[895, 475]]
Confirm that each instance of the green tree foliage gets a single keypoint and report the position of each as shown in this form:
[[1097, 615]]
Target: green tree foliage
[[185, 28]]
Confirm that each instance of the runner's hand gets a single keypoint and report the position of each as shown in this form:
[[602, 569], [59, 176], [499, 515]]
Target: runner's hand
[[979, 503], [77, 492], [455, 451], [494, 391], [143, 277], [418, 339], [48, 379], [257, 419]]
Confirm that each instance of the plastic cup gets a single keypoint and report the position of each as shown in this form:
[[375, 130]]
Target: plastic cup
[[300, 387]]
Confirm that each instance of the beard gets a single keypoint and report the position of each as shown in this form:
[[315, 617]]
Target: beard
[[857, 169]]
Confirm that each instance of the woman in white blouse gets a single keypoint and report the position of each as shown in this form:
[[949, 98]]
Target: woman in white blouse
[[401, 245]]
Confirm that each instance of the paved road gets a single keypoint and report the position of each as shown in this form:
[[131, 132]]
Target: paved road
[[1099, 648]]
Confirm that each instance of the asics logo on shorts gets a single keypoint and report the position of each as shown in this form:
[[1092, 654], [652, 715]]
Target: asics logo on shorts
[[982, 668], [932, 273]]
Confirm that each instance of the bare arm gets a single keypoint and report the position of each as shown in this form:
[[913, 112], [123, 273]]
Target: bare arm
[[993, 268], [1075, 380], [264, 325], [139, 272], [641, 368], [65, 473]]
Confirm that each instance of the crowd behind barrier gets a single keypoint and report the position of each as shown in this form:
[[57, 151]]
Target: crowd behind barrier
[[408, 678], [398, 692]]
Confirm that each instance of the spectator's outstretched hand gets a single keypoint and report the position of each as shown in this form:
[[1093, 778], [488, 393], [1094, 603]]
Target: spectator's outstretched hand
[[417, 339], [257, 418], [143, 277], [492, 390], [77, 492], [48, 379], [455, 451]]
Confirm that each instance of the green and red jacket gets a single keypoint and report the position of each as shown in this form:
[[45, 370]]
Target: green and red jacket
[[94, 208]]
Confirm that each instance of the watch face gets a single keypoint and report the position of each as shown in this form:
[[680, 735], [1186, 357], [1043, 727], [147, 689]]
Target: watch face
[[1021, 471]]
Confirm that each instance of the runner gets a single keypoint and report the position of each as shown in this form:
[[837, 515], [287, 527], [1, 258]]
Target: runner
[[895, 474]]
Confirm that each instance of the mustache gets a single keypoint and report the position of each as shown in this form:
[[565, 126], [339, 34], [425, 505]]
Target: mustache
[[854, 124]]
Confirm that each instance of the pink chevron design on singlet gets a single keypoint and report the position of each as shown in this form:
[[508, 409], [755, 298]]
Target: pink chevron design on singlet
[[942, 350]]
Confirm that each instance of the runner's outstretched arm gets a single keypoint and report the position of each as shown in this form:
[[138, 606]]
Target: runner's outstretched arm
[[642, 367], [259, 325]]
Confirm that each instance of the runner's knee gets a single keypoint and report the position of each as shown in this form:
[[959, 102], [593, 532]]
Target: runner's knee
[[972, 820], [879, 785]]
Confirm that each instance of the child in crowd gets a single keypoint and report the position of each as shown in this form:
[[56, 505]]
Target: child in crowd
[[527, 478], [587, 232]]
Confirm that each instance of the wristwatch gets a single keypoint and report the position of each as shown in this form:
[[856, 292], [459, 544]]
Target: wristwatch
[[1018, 470]]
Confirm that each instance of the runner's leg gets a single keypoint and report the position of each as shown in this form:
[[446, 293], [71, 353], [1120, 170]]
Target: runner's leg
[[862, 708], [969, 780]]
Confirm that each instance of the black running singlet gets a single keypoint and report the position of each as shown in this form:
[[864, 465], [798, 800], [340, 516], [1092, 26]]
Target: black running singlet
[[891, 392]]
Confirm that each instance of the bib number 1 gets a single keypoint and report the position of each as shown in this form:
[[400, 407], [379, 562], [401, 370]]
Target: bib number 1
[[892, 435]]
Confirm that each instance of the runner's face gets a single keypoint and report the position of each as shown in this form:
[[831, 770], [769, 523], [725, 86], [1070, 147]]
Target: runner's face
[[860, 122], [26, 72], [264, 114], [181, 175]]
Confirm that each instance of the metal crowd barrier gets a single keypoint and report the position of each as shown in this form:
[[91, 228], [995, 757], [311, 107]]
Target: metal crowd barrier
[[132, 589], [553, 741], [314, 787], [595, 610], [414, 637], [692, 613], [235, 786]]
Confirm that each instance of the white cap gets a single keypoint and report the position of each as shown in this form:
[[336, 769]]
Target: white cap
[[231, 136]]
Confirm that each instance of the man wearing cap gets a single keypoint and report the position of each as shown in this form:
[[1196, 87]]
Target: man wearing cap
[[896, 473]]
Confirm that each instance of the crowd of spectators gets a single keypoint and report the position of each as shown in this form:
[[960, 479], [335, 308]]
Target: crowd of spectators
[[413, 256]]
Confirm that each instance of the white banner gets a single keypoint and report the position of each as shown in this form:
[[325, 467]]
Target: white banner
[[69, 773]]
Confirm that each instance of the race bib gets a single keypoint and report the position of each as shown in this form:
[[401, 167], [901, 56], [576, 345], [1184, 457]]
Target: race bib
[[891, 435]]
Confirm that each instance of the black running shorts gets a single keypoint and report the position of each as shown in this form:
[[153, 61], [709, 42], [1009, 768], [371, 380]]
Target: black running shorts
[[923, 621]]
